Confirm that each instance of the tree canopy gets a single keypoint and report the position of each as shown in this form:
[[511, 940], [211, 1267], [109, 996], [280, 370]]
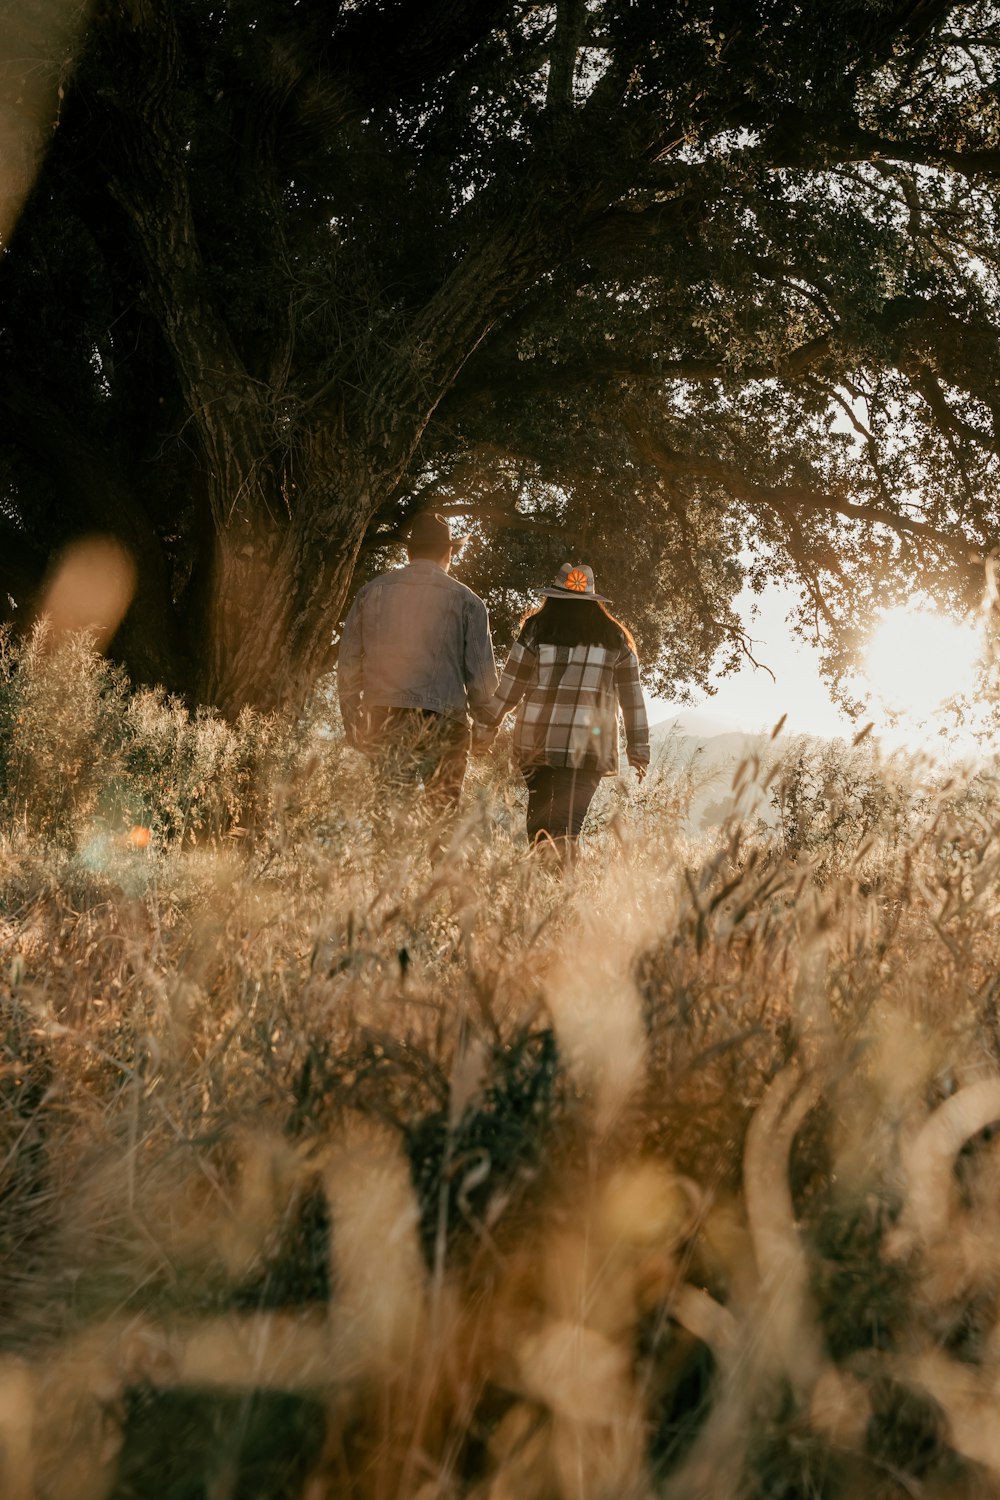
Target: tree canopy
[[705, 292]]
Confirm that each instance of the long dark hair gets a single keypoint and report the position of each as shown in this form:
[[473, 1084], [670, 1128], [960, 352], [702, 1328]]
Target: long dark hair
[[576, 622]]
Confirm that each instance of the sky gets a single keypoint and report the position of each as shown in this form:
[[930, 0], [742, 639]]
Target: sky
[[922, 676], [749, 700]]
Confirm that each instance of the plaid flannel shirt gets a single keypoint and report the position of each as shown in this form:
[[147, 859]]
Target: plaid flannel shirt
[[567, 700]]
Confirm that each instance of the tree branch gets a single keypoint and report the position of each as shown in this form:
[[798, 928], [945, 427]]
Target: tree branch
[[532, 377], [395, 47], [925, 381], [794, 497], [570, 15], [801, 142], [496, 515], [153, 192]]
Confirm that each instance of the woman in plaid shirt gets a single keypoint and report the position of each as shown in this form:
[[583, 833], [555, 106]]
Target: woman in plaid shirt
[[570, 671]]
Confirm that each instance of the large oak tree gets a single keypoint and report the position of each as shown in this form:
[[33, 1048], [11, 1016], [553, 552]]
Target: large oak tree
[[706, 290]]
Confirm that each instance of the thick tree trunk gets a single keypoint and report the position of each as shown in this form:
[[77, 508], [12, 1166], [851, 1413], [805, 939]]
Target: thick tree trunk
[[275, 598], [282, 561]]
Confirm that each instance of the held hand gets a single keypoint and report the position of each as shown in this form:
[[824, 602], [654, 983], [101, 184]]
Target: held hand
[[640, 768]]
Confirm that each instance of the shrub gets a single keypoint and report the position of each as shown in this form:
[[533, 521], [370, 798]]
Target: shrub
[[81, 755], [501, 1180]]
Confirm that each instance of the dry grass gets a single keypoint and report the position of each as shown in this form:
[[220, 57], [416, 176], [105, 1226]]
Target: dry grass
[[334, 1170]]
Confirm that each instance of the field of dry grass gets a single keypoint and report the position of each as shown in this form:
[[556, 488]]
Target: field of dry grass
[[332, 1169]]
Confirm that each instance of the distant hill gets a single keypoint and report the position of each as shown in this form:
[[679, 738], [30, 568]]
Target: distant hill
[[712, 760]]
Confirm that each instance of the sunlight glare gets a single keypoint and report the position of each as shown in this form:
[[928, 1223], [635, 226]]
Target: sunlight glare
[[918, 660], [90, 588]]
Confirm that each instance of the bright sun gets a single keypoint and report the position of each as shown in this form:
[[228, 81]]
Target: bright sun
[[918, 660]]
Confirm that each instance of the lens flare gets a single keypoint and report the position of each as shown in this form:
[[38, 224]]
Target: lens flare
[[38, 41], [919, 660], [90, 588]]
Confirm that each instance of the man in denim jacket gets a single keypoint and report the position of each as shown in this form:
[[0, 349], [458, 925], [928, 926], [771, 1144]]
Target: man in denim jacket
[[416, 659]]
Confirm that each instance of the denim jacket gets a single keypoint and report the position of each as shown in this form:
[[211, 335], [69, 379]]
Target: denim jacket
[[415, 638]]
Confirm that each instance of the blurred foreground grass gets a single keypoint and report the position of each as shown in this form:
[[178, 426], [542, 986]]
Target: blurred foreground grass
[[332, 1170]]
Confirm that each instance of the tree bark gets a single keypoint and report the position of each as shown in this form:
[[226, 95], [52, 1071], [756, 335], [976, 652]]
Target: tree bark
[[276, 590], [283, 555]]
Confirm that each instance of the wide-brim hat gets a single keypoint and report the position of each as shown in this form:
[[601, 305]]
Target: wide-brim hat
[[429, 529], [574, 581]]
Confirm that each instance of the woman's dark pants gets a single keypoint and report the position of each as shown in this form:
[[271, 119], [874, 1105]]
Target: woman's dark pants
[[558, 799]]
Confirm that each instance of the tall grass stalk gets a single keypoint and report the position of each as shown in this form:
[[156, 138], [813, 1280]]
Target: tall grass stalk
[[332, 1166]]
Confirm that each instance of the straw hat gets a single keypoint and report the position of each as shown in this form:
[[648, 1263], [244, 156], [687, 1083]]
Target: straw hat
[[574, 581]]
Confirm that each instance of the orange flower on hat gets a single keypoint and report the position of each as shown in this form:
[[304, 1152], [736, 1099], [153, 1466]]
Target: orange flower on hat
[[577, 581]]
